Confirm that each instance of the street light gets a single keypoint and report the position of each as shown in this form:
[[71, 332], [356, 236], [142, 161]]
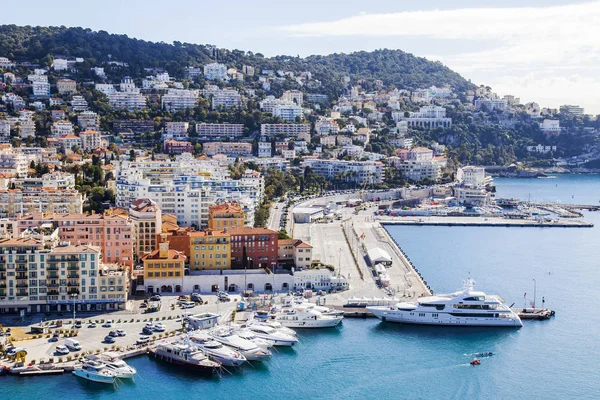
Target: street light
[[73, 296]]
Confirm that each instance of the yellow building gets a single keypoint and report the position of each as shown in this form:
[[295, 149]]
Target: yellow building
[[164, 264], [226, 215], [210, 249]]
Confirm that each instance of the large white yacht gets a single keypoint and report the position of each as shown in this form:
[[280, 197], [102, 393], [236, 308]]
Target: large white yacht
[[115, 364], [184, 354], [215, 350], [267, 332], [95, 371], [463, 308], [298, 317], [249, 349]]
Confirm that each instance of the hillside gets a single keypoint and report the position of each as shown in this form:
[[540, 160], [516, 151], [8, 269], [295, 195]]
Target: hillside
[[393, 67]]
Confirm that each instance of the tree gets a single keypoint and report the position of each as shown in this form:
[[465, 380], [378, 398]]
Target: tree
[[131, 155]]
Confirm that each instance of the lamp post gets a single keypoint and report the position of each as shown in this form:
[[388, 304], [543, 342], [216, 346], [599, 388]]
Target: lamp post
[[73, 296], [534, 290]]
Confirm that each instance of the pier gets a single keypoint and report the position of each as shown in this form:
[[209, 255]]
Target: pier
[[484, 222]]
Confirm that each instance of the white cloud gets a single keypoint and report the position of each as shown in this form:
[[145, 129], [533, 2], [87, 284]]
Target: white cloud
[[556, 46]]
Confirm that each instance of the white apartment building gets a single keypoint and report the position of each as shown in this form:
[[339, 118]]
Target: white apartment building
[[26, 127], [233, 149], [248, 70], [127, 100], [66, 86], [29, 201], [287, 112], [219, 130], [550, 126], [572, 110], [401, 142], [226, 98], [268, 104], [416, 171], [41, 89], [5, 63], [359, 172], [293, 97], [4, 131], [265, 149], [540, 148], [215, 71], [88, 120], [470, 187], [78, 103], [13, 161], [176, 131], [61, 128], [60, 64], [52, 180], [99, 72], [106, 88], [193, 72], [284, 129], [128, 86], [491, 104], [326, 126], [179, 99], [90, 139], [427, 117]]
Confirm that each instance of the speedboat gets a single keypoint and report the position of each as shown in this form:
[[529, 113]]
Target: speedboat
[[215, 350], [267, 332], [293, 302], [184, 354], [247, 334], [95, 371], [475, 362], [463, 308], [246, 347], [271, 323], [300, 318], [114, 363], [486, 354]]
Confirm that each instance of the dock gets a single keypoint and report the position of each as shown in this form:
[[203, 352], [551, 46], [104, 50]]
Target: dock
[[485, 222]]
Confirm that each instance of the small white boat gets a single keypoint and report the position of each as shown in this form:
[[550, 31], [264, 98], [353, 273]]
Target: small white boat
[[215, 350], [267, 332], [247, 334], [271, 323], [114, 363], [249, 349], [95, 371], [300, 318]]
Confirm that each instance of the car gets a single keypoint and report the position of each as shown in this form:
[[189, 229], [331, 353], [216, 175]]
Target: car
[[143, 305], [54, 338], [1, 333], [109, 339], [147, 331], [143, 340], [77, 325], [159, 327], [61, 350], [92, 325], [223, 296], [149, 325], [14, 351], [196, 297], [113, 334], [107, 324], [188, 304], [156, 297], [121, 332]]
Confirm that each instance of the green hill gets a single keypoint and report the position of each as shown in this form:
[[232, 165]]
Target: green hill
[[393, 67]]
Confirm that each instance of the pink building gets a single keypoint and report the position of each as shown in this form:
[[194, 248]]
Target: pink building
[[111, 231]]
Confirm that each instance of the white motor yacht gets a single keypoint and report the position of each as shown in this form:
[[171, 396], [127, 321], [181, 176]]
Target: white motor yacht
[[247, 334], [272, 324], [95, 371], [249, 349], [267, 332], [114, 363], [298, 317], [215, 350], [184, 354], [463, 308], [294, 302]]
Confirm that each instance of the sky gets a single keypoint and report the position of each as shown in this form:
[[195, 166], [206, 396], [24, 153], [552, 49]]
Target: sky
[[544, 51]]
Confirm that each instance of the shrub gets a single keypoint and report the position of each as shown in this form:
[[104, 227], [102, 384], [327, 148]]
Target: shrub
[[32, 362], [119, 321], [76, 356], [97, 351], [106, 349], [60, 359], [42, 360], [164, 318], [69, 358]]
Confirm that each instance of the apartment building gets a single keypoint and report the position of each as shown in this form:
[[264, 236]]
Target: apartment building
[[27, 201], [146, 217], [88, 120], [294, 252], [164, 269], [4, 131], [286, 130], [61, 128], [179, 99], [265, 149], [226, 98], [176, 131], [43, 277], [13, 161], [261, 247], [233, 149], [40, 89], [177, 147], [226, 216], [90, 139], [293, 96], [209, 130], [130, 101], [134, 125], [427, 117], [106, 88], [326, 126], [287, 112], [66, 86], [358, 172], [215, 71], [210, 249], [78, 103], [52, 180]]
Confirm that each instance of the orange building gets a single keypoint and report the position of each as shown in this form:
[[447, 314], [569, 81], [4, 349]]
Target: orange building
[[226, 215]]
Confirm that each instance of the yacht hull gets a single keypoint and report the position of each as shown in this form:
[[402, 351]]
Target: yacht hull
[[204, 369], [404, 317], [319, 323], [94, 377]]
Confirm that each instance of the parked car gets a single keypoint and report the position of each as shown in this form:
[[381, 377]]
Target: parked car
[[143, 305], [147, 331], [61, 350], [113, 334], [159, 327], [121, 332], [188, 304], [156, 297], [196, 297], [107, 324], [143, 340], [14, 351], [223, 296], [92, 325], [73, 344], [77, 325], [109, 339], [54, 338]]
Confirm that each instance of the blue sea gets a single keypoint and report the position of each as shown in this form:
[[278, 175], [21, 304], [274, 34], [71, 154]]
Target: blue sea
[[365, 359]]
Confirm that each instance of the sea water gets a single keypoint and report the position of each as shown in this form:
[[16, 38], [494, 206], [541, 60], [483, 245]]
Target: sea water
[[367, 359]]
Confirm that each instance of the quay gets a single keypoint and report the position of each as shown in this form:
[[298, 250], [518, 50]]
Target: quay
[[483, 222]]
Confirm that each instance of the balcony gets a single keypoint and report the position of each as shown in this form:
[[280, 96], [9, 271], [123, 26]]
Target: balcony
[[73, 284], [22, 285], [73, 291], [52, 276], [52, 268], [72, 268], [22, 293], [73, 276], [2, 284], [52, 293], [52, 285], [21, 269]]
